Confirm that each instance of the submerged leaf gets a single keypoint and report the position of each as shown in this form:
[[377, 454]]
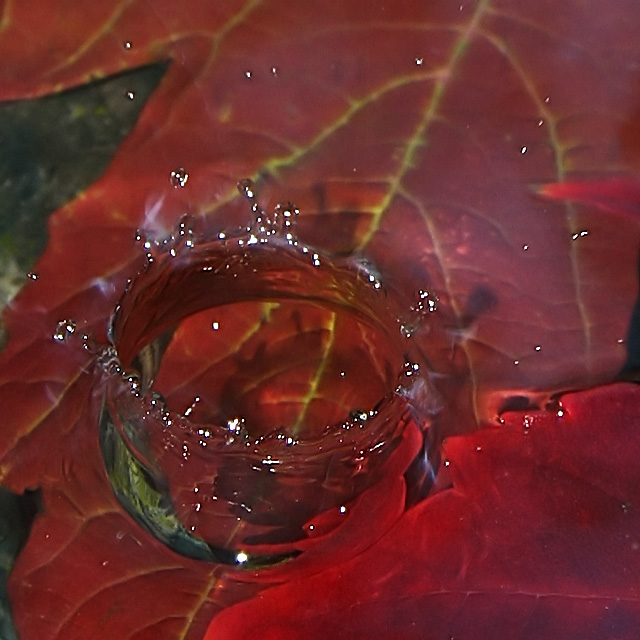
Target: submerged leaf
[[616, 195], [537, 538], [408, 134]]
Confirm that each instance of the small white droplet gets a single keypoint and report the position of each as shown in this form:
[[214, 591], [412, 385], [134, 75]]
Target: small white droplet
[[419, 61], [248, 74], [241, 557], [523, 149], [215, 326], [274, 71], [127, 44], [64, 329], [131, 95], [179, 177], [538, 347], [525, 247]]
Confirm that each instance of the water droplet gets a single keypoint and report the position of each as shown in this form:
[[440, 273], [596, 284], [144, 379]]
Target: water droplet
[[274, 71], [247, 188], [241, 557], [411, 369], [127, 45], [343, 509], [523, 150], [407, 330], [285, 221], [179, 177], [32, 275], [538, 347], [190, 409], [130, 95], [157, 403], [540, 122], [525, 247], [185, 233], [427, 302], [248, 74], [215, 326], [64, 329], [419, 61], [358, 415]]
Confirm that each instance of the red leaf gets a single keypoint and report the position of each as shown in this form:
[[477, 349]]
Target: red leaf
[[538, 538], [409, 134], [618, 196]]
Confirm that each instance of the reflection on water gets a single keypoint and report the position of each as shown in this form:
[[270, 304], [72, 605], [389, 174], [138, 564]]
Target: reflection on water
[[411, 137]]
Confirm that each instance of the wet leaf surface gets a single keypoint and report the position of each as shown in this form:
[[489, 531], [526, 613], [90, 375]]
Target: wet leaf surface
[[468, 562], [416, 135]]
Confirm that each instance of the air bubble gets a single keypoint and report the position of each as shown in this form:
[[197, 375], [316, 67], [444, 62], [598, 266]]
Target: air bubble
[[179, 177], [64, 329]]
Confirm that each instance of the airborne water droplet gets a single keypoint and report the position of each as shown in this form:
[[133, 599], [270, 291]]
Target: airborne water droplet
[[64, 329], [247, 188], [179, 178]]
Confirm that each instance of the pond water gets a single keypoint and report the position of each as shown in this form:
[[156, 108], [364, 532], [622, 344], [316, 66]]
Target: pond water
[[306, 323]]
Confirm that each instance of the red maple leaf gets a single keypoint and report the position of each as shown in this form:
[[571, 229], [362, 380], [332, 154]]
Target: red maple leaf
[[409, 134]]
